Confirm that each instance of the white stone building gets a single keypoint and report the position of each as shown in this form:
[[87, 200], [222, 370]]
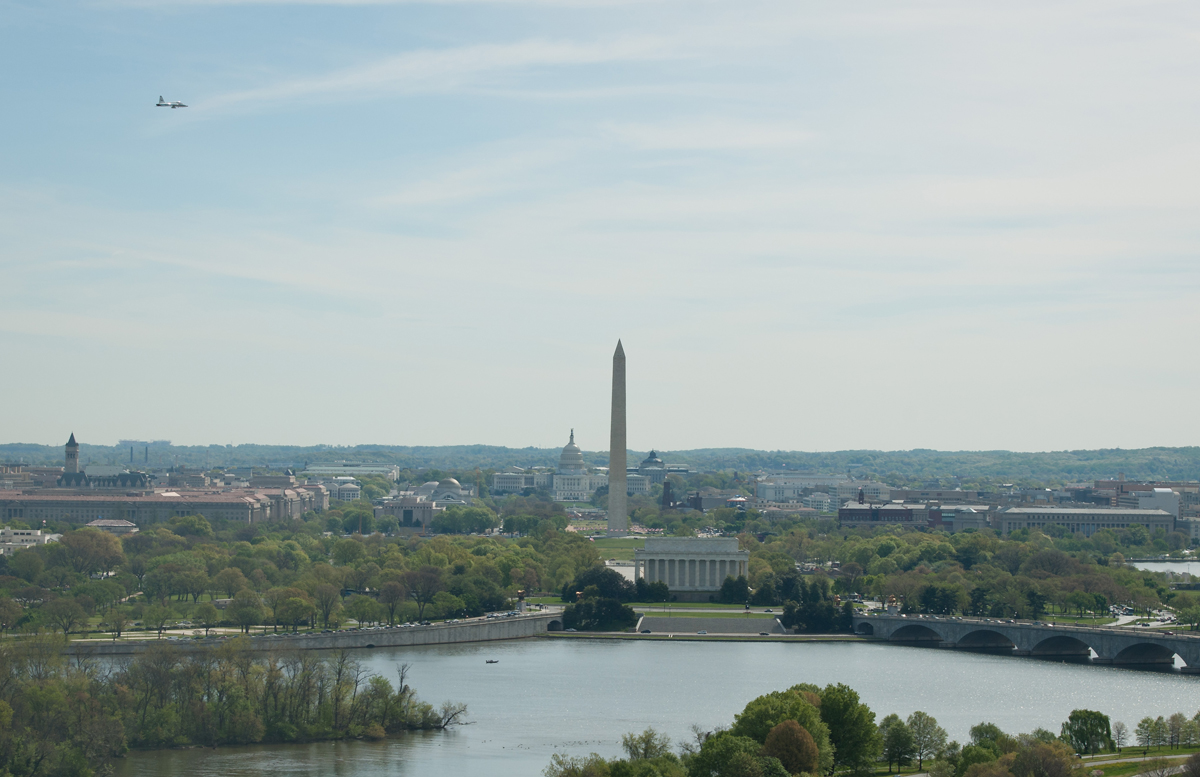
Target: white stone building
[[1165, 499], [690, 563], [449, 493], [12, 540]]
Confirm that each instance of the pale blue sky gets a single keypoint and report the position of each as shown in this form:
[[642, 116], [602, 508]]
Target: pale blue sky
[[815, 225]]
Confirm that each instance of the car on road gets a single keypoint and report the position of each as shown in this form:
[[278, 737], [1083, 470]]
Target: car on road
[[701, 632], [763, 634], [645, 631]]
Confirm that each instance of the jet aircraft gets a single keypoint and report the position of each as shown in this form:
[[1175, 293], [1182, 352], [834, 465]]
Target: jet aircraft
[[172, 104]]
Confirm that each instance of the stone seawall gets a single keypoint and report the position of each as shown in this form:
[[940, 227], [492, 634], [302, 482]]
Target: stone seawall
[[685, 625], [437, 634]]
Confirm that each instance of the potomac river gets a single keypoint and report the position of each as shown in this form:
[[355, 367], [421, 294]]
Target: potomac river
[[580, 695]]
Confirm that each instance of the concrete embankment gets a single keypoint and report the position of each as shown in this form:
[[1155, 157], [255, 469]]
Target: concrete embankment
[[742, 625], [437, 634]]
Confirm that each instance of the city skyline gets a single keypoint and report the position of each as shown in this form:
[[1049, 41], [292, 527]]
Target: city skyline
[[818, 228]]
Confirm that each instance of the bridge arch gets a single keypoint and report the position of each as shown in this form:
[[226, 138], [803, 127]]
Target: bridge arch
[[1061, 646], [915, 632], [1143, 653], [554, 625], [865, 629], [985, 639]]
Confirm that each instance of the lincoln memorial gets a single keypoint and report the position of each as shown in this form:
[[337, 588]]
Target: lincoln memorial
[[690, 564]]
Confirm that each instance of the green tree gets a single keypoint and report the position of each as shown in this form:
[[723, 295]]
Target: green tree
[[347, 551], [207, 615], [363, 609], [972, 755], [1144, 733], [391, 596], [191, 526], [852, 729], [422, 585], [727, 755], [10, 613], [1162, 732], [1120, 735], [26, 564], [599, 613], [1087, 731], [898, 745], [65, 614], [157, 616], [295, 611], [735, 591], [246, 609], [764, 713], [118, 621], [646, 745], [328, 598], [929, 738], [90, 550], [230, 580]]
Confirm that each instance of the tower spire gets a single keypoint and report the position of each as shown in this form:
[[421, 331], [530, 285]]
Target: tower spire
[[618, 517]]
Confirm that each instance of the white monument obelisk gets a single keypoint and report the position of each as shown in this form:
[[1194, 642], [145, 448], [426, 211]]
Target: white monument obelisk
[[618, 517]]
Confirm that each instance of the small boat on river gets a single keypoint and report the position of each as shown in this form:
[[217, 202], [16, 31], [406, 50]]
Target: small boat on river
[[492, 661]]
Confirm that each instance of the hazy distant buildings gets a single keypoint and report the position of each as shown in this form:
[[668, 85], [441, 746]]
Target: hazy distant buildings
[[571, 482], [353, 469], [1085, 521], [114, 527], [870, 490]]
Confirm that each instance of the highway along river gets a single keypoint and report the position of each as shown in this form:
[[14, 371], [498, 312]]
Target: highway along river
[[581, 695]]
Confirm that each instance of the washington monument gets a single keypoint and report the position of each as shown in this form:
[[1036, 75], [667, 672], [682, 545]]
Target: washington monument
[[618, 518]]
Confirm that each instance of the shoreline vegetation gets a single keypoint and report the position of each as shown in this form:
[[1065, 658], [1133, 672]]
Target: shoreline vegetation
[[71, 717], [806, 731]]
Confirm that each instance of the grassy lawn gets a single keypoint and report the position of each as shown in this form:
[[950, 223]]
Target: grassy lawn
[[1085, 621], [691, 606], [1127, 769], [620, 548], [686, 614]]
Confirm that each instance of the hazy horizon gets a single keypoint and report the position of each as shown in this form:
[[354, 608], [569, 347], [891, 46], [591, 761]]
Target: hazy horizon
[[815, 227]]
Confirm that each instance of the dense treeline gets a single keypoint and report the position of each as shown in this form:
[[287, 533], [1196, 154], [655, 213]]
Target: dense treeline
[[1027, 574], [900, 468], [285, 576], [807, 730], [309, 574], [65, 718]]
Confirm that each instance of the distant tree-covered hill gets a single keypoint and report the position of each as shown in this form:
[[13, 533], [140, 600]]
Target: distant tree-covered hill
[[911, 468]]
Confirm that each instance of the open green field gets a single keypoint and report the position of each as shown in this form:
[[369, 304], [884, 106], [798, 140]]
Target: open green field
[[686, 614], [688, 606], [1076, 620], [1130, 768], [620, 548]]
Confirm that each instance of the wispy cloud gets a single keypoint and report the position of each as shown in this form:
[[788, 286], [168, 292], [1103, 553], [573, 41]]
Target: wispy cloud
[[709, 134], [442, 69]]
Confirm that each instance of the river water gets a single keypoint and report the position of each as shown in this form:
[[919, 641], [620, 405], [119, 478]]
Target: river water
[[580, 696], [1178, 567]]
